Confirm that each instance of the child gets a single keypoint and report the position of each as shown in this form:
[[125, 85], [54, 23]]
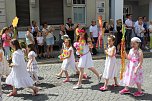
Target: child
[[110, 70], [68, 58], [32, 66], [83, 50], [19, 77], [134, 73], [40, 41], [150, 32], [4, 68]]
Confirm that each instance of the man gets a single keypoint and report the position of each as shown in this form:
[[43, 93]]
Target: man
[[94, 35], [129, 27], [69, 27], [137, 24]]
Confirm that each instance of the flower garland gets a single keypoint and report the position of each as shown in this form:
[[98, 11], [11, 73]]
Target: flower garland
[[79, 46], [64, 54]]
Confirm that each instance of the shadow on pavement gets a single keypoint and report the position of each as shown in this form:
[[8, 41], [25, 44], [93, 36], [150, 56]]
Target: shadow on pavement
[[39, 97], [46, 85]]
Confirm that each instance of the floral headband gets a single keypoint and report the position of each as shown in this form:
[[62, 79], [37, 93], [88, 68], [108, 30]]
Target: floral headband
[[81, 31]]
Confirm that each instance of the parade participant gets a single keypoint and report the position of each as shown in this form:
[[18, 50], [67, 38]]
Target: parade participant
[[32, 66], [110, 71], [68, 59], [134, 73], [83, 50], [4, 68], [19, 77]]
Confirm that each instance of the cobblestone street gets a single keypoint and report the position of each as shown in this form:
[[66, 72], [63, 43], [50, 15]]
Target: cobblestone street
[[53, 89]]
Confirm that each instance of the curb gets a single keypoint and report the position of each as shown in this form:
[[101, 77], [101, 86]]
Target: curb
[[55, 61]]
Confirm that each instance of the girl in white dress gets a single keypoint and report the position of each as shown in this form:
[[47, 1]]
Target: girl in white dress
[[68, 59], [19, 77], [32, 66], [4, 67], [110, 71], [83, 46]]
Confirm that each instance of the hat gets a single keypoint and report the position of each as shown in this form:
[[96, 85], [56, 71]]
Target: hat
[[135, 39]]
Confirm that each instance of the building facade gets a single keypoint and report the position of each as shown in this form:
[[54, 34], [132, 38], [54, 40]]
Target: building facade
[[56, 12]]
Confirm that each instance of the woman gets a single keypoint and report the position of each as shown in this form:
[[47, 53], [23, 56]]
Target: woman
[[29, 37], [50, 41], [105, 33], [6, 42], [119, 34]]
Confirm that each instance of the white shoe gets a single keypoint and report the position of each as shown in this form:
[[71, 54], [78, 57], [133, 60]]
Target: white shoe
[[151, 50], [77, 87]]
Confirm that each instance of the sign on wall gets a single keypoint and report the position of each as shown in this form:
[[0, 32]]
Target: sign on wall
[[100, 8]]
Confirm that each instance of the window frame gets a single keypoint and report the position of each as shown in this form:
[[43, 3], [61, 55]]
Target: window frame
[[79, 5]]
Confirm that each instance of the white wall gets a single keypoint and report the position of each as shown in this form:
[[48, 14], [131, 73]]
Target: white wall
[[2, 14], [150, 10], [34, 12], [10, 11]]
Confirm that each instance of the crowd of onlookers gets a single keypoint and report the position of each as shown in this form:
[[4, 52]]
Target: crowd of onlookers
[[43, 37]]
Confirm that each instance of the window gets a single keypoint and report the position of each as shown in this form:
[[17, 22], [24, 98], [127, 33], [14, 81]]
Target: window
[[78, 1], [51, 12], [79, 11], [23, 12]]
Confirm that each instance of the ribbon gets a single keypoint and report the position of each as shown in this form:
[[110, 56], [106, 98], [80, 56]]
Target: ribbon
[[99, 42], [81, 31], [122, 53]]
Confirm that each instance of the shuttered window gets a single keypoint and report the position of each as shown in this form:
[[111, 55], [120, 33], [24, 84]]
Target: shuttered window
[[51, 11], [23, 12]]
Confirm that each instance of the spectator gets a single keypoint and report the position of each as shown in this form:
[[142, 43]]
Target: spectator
[[6, 43], [70, 29], [105, 33], [129, 27], [44, 32], [140, 30], [150, 32], [35, 40], [147, 37], [40, 41], [33, 26], [111, 26], [29, 37], [136, 24], [62, 33], [94, 35], [50, 41], [119, 34]]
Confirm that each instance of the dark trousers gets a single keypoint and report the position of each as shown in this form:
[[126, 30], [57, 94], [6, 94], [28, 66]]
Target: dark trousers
[[128, 35]]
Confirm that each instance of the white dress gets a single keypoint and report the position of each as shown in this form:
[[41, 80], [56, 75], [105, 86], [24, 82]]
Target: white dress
[[69, 62], [19, 77], [85, 60], [4, 67], [110, 70], [33, 66]]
